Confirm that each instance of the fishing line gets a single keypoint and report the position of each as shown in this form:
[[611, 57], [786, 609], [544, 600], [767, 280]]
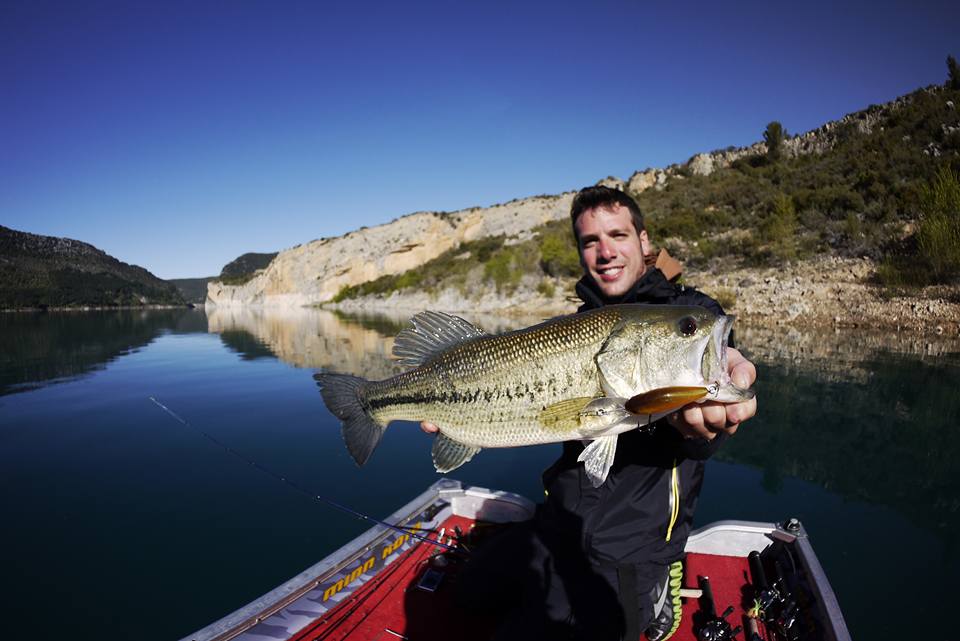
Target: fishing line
[[343, 508]]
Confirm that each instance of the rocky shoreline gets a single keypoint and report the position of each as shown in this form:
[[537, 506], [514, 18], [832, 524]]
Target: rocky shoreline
[[823, 292], [834, 292]]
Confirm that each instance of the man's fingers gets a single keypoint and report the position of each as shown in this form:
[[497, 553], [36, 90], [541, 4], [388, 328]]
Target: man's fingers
[[689, 422], [429, 428], [739, 412], [714, 415], [742, 372]]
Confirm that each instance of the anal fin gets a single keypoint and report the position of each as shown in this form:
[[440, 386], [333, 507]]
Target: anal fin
[[597, 458], [449, 454]]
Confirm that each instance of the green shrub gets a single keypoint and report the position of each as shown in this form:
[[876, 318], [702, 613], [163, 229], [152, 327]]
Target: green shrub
[[239, 279], [546, 288], [938, 232], [779, 230], [558, 253], [726, 296]]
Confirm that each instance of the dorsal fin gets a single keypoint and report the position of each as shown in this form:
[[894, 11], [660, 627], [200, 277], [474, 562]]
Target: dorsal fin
[[429, 334]]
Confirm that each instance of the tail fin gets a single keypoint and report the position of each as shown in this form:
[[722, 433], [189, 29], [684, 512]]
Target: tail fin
[[343, 395]]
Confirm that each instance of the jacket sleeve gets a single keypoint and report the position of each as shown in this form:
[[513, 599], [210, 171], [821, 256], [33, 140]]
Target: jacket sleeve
[[696, 449], [700, 449]]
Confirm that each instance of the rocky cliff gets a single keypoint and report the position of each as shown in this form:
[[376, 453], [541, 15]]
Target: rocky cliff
[[313, 273]]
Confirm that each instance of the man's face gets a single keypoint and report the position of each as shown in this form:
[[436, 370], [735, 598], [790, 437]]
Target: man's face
[[611, 251]]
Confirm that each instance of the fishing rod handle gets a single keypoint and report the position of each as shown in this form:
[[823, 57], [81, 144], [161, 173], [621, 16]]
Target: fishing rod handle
[[756, 570], [707, 597]]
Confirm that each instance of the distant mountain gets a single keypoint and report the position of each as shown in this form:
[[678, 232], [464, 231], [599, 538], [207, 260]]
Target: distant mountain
[[243, 268], [45, 271], [193, 290]]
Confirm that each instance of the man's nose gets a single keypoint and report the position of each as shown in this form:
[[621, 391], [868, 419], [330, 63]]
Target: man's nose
[[607, 249]]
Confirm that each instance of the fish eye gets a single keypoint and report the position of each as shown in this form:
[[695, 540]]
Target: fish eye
[[687, 325]]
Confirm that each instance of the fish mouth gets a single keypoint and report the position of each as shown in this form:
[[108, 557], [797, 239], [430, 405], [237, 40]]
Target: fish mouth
[[720, 387]]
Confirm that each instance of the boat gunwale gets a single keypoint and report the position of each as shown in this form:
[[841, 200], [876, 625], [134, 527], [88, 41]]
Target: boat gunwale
[[296, 587]]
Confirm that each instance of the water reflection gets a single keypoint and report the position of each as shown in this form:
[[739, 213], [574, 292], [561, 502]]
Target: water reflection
[[304, 337], [862, 422], [316, 338], [38, 349]]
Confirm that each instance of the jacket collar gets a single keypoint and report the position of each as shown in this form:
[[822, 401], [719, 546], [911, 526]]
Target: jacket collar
[[651, 287]]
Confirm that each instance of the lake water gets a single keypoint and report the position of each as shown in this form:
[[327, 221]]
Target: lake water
[[119, 522]]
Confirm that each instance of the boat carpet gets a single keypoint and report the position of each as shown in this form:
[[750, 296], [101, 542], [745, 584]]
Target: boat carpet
[[391, 606]]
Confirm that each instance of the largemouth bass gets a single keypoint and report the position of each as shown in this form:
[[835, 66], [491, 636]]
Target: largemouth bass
[[586, 376]]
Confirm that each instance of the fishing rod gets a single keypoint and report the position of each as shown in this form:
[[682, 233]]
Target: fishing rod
[[343, 508]]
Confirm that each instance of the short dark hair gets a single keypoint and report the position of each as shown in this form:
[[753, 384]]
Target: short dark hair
[[599, 196]]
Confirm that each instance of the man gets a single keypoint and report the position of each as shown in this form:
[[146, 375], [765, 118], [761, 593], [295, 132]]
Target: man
[[623, 540]]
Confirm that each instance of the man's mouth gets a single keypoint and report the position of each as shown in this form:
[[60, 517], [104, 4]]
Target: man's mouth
[[609, 273]]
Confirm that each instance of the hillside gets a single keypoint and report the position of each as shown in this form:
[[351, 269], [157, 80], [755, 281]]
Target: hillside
[[193, 290], [855, 221], [244, 267], [238, 271], [46, 272]]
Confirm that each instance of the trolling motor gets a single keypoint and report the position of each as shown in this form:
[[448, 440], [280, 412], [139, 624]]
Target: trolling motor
[[713, 628]]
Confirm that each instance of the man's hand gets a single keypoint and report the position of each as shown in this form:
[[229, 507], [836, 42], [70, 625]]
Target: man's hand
[[429, 428], [707, 419]]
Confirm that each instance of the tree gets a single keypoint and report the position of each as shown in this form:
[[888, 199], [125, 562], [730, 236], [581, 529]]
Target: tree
[[773, 136], [779, 229], [953, 73]]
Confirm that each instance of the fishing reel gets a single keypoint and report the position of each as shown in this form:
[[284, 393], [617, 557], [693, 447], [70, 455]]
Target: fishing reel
[[713, 627]]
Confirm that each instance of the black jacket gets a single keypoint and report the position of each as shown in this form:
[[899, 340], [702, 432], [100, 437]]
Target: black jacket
[[633, 518]]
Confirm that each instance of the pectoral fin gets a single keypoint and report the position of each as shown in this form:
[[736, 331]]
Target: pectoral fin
[[603, 412], [449, 454], [597, 458], [664, 399]]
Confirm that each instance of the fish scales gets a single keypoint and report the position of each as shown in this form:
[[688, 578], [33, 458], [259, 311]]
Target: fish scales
[[489, 391]]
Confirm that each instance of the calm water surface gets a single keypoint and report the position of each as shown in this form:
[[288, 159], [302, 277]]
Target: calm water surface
[[121, 523]]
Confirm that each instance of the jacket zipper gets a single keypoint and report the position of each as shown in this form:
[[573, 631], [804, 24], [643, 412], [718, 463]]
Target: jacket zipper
[[674, 499]]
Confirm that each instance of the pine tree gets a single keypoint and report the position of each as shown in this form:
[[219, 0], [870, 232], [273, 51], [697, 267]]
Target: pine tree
[[953, 73], [773, 136]]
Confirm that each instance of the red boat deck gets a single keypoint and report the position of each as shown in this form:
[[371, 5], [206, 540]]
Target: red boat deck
[[390, 606]]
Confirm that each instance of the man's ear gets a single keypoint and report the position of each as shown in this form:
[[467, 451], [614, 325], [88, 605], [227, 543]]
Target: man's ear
[[645, 243]]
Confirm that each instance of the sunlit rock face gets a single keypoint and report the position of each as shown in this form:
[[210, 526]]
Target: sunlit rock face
[[313, 273]]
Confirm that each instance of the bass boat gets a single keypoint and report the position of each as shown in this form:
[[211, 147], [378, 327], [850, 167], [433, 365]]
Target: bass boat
[[741, 579]]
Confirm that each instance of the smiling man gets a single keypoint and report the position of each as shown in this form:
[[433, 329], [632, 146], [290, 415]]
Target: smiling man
[[633, 527], [599, 560]]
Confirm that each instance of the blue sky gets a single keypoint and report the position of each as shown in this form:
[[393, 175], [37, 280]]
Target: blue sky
[[179, 135]]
